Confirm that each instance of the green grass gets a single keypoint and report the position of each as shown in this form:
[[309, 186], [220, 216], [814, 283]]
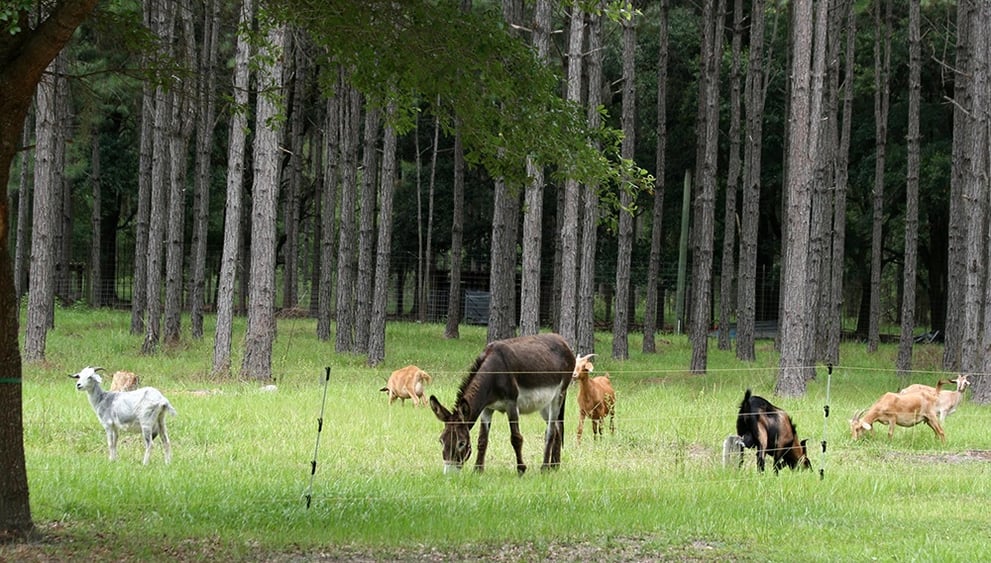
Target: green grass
[[656, 489]]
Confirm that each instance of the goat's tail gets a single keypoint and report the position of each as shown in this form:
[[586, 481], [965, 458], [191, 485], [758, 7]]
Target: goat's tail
[[170, 409]]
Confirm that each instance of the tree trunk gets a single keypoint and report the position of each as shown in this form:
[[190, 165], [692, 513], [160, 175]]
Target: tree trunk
[[621, 320], [96, 297], [49, 164], [206, 113], [505, 220], [139, 286], [264, 210], [841, 183], [294, 187], [754, 95], [793, 326], [589, 202], [652, 322], [376, 340], [22, 63], [533, 206], [882, 66], [502, 284], [160, 167], [730, 218], [904, 362], [328, 208], [346, 250], [457, 239], [181, 129], [957, 247], [569, 325], [364, 284], [230, 258], [23, 242], [703, 213], [977, 177]]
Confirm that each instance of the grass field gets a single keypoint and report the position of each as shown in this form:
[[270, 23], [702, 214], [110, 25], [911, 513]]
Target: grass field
[[656, 490]]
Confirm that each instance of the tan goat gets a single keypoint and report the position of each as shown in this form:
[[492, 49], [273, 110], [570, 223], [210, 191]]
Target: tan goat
[[947, 400], [407, 383], [903, 410], [124, 381], [596, 397]]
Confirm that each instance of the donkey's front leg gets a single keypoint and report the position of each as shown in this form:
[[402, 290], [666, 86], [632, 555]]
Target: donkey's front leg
[[484, 422], [516, 438]]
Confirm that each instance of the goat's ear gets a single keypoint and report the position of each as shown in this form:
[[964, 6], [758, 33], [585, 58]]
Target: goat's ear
[[73, 376], [864, 425]]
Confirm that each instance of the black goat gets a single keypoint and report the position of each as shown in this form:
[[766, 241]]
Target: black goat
[[764, 426]]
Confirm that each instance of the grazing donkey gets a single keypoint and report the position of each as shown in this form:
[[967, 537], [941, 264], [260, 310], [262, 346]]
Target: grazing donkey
[[515, 376]]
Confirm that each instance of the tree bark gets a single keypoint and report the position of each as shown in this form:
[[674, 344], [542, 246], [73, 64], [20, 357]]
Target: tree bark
[[957, 247], [791, 379], [346, 251], [623, 314], [388, 178], [230, 258], [364, 284], [23, 242], [569, 325], [451, 329], [703, 213], [533, 206], [730, 218], [96, 297], [24, 56], [589, 202], [206, 113], [906, 340], [882, 66], [139, 286], [841, 185], [264, 210], [181, 123], [328, 207], [754, 95], [163, 23], [49, 164]]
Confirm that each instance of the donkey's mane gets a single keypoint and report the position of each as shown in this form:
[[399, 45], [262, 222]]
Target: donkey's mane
[[470, 377]]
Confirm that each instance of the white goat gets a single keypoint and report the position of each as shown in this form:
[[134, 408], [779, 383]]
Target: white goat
[[947, 401], [141, 410]]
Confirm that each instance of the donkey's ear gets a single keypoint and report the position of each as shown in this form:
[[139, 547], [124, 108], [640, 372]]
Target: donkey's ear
[[439, 410]]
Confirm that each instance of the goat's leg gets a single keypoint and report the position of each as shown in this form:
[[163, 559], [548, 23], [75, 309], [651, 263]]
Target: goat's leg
[[166, 444], [581, 424], [112, 442], [934, 424], [147, 434]]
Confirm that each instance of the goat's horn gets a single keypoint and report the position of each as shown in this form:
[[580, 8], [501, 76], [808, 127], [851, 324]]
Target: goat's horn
[[97, 368]]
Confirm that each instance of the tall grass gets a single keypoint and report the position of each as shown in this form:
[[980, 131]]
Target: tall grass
[[656, 489]]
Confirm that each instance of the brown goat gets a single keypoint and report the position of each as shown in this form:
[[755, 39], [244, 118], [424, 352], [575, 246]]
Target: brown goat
[[124, 381], [905, 410], [769, 430], [596, 397], [407, 383], [947, 401]]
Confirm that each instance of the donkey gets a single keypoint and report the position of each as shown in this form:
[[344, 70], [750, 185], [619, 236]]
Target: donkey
[[516, 376]]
